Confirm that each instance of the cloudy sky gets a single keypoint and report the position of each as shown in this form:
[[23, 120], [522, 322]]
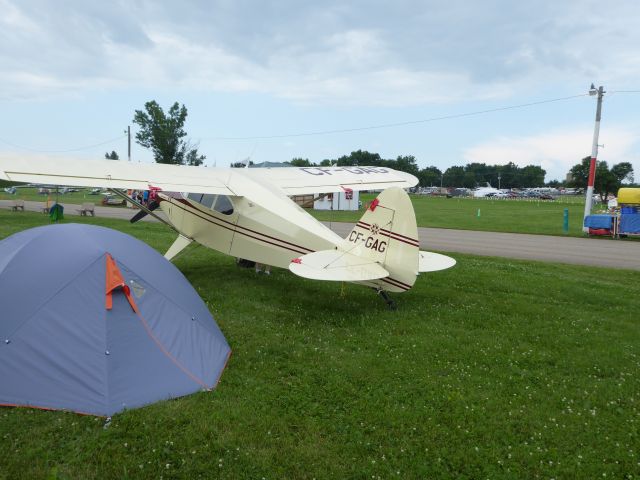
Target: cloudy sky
[[276, 80]]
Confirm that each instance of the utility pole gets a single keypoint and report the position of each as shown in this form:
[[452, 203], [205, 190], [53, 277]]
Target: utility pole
[[498, 181], [129, 142], [594, 154]]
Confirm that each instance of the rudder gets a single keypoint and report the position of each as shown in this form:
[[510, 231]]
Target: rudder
[[387, 233]]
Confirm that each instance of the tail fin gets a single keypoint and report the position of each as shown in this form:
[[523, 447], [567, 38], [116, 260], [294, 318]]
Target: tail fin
[[381, 251], [388, 235]]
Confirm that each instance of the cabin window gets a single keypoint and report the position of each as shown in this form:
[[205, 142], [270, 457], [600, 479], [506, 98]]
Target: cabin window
[[219, 203]]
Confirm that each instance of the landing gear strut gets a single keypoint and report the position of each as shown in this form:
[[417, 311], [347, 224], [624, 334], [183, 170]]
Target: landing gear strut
[[390, 303]]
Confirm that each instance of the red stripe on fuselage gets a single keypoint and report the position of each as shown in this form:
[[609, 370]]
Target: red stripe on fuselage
[[234, 228], [396, 283], [238, 229]]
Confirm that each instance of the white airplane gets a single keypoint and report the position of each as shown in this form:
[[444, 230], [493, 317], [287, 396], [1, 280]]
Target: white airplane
[[247, 213], [482, 192]]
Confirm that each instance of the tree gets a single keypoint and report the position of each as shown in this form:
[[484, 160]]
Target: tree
[[405, 163], [454, 176], [607, 180], [430, 176], [242, 164], [479, 174], [188, 155], [532, 176], [301, 162], [164, 133], [469, 180], [509, 174], [111, 156], [361, 157]]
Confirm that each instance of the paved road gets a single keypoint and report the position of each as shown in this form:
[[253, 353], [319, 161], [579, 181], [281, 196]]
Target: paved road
[[581, 251]]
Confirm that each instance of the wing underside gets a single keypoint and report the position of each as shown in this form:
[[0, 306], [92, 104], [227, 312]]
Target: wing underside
[[177, 178], [113, 174]]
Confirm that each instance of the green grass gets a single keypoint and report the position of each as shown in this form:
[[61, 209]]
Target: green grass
[[516, 216], [29, 193], [493, 369]]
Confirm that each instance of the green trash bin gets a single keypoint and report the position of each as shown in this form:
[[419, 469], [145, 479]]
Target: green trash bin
[[56, 212]]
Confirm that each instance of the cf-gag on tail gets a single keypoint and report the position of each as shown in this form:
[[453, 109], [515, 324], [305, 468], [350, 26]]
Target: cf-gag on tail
[[382, 250]]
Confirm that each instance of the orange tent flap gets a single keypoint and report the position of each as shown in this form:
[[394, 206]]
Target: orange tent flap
[[114, 279]]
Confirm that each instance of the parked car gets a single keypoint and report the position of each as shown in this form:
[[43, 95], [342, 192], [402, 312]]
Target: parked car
[[10, 190], [113, 200]]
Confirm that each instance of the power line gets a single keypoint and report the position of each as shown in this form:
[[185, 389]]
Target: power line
[[398, 124], [62, 151], [344, 130]]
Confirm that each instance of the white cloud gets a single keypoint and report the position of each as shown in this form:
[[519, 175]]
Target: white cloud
[[559, 150], [360, 53]]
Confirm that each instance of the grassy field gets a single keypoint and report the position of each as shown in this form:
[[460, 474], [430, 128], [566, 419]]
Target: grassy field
[[493, 369], [517, 216], [71, 197]]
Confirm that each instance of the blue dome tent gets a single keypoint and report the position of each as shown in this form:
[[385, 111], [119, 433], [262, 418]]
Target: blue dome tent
[[95, 321]]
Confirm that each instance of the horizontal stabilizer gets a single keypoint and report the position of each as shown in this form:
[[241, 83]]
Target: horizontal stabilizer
[[432, 262], [337, 266]]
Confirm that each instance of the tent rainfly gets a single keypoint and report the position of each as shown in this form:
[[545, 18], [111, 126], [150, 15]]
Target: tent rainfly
[[94, 321]]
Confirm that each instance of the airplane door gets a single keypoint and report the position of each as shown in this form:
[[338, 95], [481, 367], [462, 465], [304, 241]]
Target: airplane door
[[208, 219]]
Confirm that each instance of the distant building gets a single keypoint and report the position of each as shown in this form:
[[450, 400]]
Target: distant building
[[348, 200]]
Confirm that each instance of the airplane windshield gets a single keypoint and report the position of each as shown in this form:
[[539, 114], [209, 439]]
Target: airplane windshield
[[219, 203]]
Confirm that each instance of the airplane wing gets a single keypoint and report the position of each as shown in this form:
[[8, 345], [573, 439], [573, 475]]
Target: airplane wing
[[316, 180], [178, 178], [114, 174]]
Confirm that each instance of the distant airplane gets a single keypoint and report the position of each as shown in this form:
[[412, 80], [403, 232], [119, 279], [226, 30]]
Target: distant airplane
[[247, 213], [484, 191]]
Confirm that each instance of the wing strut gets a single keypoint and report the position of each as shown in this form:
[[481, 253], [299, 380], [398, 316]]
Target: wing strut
[[180, 244]]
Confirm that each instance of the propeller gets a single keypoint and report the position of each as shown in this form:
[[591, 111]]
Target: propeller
[[143, 213]]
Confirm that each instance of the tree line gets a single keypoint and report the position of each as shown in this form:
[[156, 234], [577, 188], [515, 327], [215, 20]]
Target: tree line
[[608, 180], [469, 176]]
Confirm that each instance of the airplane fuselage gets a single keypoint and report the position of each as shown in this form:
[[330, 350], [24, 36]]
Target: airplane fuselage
[[254, 233], [247, 230]]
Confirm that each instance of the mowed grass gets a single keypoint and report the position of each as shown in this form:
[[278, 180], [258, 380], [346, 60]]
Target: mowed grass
[[493, 369], [31, 193], [499, 215], [516, 216]]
